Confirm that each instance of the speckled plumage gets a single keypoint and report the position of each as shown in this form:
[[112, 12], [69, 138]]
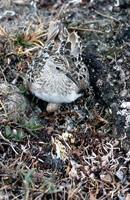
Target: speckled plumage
[[59, 78]]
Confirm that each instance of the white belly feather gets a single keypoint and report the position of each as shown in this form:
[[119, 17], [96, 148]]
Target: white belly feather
[[56, 98]]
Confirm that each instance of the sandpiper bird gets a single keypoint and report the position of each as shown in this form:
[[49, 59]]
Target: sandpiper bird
[[61, 77]]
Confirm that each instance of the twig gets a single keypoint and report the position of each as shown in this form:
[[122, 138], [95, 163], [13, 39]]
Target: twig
[[2, 31], [61, 11], [3, 107], [2, 137], [106, 16], [84, 29], [95, 21], [32, 49], [3, 74]]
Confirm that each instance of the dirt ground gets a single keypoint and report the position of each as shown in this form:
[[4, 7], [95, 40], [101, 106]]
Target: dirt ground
[[82, 151]]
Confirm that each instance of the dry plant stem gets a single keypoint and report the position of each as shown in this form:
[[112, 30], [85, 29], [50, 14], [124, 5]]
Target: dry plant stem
[[95, 21], [106, 16], [3, 74], [2, 31], [61, 11], [32, 49], [2, 137], [27, 191], [3, 107], [16, 198], [84, 29]]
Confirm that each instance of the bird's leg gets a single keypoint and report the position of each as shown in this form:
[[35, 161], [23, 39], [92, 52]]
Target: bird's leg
[[52, 107]]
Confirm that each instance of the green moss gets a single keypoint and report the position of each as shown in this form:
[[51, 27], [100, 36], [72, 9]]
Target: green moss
[[21, 41], [14, 134]]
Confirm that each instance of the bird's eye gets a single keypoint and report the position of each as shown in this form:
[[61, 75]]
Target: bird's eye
[[57, 68]]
